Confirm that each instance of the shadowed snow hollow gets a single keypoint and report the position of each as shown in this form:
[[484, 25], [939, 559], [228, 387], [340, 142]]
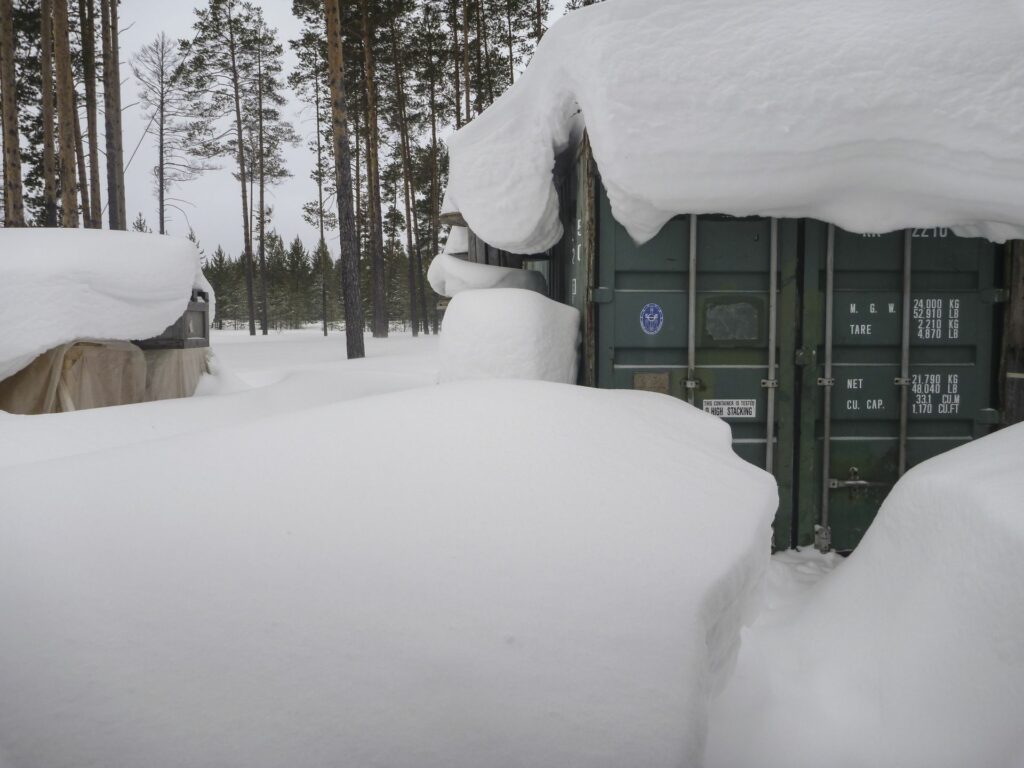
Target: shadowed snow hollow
[[910, 654], [486, 573]]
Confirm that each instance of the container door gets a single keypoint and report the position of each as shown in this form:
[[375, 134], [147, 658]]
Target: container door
[[889, 388], [691, 314]]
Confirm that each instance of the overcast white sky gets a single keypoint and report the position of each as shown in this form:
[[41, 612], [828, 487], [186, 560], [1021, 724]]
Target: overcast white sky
[[215, 213]]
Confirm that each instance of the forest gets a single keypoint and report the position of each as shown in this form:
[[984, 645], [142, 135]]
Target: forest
[[385, 81]]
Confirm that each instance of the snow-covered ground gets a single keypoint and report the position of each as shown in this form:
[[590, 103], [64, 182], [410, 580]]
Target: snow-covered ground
[[305, 566], [328, 562]]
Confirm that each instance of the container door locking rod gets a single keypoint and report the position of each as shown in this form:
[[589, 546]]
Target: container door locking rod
[[771, 383], [903, 380], [823, 531], [692, 383]]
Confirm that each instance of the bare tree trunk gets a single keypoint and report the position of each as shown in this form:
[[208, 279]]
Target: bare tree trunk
[[65, 115], [435, 183], [161, 168], [349, 256], [87, 22], [80, 158], [453, 22], [380, 309], [465, 55], [406, 180], [511, 54], [14, 206], [320, 194], [116, 215], [264, 314], [481, 25], [46, 91], [246, 230]]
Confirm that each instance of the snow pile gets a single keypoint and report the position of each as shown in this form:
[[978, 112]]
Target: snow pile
[[871, 114], [59, 285], [507, 333], [492, 592], [449, 275], [911, 652]]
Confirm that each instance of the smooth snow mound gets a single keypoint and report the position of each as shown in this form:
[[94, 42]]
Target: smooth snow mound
[[506, 333], [449, 577], [449, 275], [910, 653], [871, 114], [59, 285]]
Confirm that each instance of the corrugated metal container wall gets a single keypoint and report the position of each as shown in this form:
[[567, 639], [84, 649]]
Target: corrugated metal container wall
[[730, 314]]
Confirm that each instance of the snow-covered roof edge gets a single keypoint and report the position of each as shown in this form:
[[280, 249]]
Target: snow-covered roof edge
[[861, 115], [60, 285]]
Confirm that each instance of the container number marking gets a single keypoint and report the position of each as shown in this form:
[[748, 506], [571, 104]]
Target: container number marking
[[731, 409]]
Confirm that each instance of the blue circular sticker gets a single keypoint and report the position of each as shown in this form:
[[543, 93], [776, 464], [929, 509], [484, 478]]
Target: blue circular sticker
[[651, 319]]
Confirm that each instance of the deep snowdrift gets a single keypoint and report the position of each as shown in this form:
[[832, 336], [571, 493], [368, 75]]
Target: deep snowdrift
[[59, 285], [453, 576], [911, 652], [506, 333], [871, 114]]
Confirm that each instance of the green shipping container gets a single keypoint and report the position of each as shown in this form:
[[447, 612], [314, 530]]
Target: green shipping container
[[839, 360]]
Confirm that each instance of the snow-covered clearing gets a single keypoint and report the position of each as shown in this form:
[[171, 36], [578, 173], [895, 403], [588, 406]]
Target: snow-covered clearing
[[256, 377], [493, 572]]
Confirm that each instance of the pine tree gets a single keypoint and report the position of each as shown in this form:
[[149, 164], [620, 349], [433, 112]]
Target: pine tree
[[167, 106], [87, 25], [14, 207], [219, 70], [140, 225], [349, 258], [112, 113]]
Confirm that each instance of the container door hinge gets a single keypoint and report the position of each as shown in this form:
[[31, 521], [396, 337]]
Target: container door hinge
[[601, 295], [995, 296], [822, 382], [692, 383], [770, 383], [900, 381]]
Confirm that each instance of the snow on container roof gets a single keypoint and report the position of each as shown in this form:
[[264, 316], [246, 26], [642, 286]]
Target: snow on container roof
[[871, 114], [59, 285]]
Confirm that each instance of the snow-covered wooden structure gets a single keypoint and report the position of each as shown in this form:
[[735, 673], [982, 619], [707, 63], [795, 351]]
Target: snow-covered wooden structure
[[91, 319]]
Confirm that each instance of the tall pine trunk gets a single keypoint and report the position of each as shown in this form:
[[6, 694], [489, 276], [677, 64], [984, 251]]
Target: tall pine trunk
[[87, 24], [322, 248], [465, 57], [453, 23], [47, 113], [65, 115], [435, 183], [406, 181], [380, 309], [80, 159], [236, 87], [14, 206], [349, 256], [112, 115], [264, 314]]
